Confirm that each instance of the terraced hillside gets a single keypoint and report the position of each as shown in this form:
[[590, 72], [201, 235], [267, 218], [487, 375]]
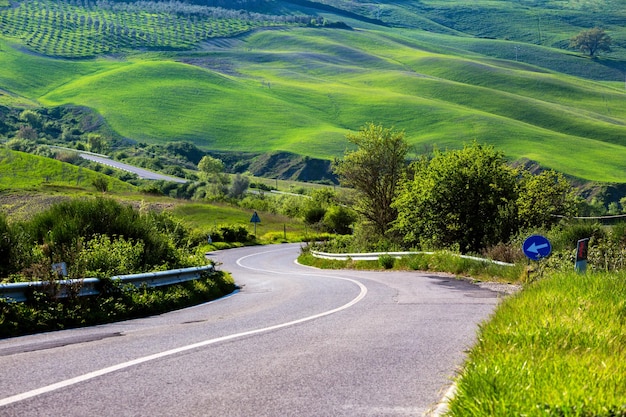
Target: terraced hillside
[[298, 75]]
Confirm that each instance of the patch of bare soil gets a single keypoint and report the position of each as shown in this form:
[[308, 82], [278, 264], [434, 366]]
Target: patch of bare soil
[[22, 206]]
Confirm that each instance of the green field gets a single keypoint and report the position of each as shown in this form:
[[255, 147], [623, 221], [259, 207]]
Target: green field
[[30, 183], [503, 79], [20, 170]]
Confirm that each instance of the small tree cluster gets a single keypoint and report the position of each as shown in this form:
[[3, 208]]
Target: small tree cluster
[[471, 199], [466, 199]]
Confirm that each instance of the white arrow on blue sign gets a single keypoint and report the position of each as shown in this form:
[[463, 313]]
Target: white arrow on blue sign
[[536, 247]]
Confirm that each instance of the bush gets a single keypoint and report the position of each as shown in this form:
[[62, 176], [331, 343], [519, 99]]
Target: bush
[[62, 229], [115, 302], [386, 261], [338, 219], [234, 234], [101, 184], [103, 257], [314, 215], [6, 244], [418, 262]]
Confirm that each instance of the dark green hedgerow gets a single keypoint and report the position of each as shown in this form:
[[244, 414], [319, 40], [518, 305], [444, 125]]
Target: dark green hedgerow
[[43, 312]]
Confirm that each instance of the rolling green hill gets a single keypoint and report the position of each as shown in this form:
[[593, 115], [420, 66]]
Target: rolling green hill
[[446, 73], [24, 171]]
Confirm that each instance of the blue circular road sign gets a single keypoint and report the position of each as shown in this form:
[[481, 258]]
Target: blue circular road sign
[[536, 247]]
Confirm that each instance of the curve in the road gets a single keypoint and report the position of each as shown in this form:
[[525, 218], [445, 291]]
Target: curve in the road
[[124, 365]]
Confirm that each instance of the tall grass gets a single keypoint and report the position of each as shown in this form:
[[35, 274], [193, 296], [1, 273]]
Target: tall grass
[[557, 349]]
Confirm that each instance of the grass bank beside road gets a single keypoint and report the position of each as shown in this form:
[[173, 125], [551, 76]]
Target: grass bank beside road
[[558, 348]]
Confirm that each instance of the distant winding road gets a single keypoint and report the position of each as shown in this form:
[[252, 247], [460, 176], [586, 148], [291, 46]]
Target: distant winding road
[[294, 341], [140, 172]]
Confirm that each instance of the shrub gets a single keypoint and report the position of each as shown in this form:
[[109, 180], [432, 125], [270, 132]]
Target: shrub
[[6, 243], [418, 262], [314, 215], [338, 219], [62, 227], [104, 256], [386, 261], [235, 234], [101, 184]]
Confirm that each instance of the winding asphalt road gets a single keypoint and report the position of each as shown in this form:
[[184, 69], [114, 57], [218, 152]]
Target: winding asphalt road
[[294, 341]]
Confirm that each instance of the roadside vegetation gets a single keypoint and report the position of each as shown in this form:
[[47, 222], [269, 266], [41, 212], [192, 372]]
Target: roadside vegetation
[[555, 349], [205, 94], [98, 238]]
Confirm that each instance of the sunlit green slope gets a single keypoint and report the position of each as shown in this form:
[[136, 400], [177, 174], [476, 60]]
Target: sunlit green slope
[[302, 89]]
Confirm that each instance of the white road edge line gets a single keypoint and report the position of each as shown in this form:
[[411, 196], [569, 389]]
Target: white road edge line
[[91, 375]]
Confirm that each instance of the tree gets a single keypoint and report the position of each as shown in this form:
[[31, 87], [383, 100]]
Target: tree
[[239, 186], [544, 197], [463, 197], [210, 166], [374, 169], [591, 41], [97, 143], [211, 169]]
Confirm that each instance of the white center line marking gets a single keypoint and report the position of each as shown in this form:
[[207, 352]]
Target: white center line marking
[[124, 365]]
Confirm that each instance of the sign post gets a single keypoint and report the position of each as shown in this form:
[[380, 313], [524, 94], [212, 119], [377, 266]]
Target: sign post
[[255, 219], [581, 255], [536, 247]]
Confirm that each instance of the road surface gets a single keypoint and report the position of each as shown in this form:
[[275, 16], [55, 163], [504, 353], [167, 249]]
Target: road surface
[[140, 172], [294, 341]]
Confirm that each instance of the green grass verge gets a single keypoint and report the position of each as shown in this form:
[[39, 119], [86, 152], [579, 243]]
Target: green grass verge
[[437, 262], [555, 349]]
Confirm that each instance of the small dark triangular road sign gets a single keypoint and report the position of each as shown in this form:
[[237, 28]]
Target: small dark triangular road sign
[[255, 218]]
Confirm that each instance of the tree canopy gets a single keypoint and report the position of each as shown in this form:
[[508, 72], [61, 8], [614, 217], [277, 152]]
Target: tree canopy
[[374, 169], [463, 197], [470, 199], [591, 41]]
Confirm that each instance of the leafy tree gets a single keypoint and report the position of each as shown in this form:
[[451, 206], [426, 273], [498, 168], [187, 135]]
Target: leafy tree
[[463, 197], [239, 186], [210, 166], [187, 150], [591, 41], [211, 170], [34, 119], [374, 169], [338, 219], [544, 197], [97, 143]]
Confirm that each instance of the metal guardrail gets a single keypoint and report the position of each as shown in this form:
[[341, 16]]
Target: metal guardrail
[[373, 256], [18, 291]]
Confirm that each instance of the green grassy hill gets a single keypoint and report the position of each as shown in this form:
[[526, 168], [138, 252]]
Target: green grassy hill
[[19, 170], [445, 72]]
